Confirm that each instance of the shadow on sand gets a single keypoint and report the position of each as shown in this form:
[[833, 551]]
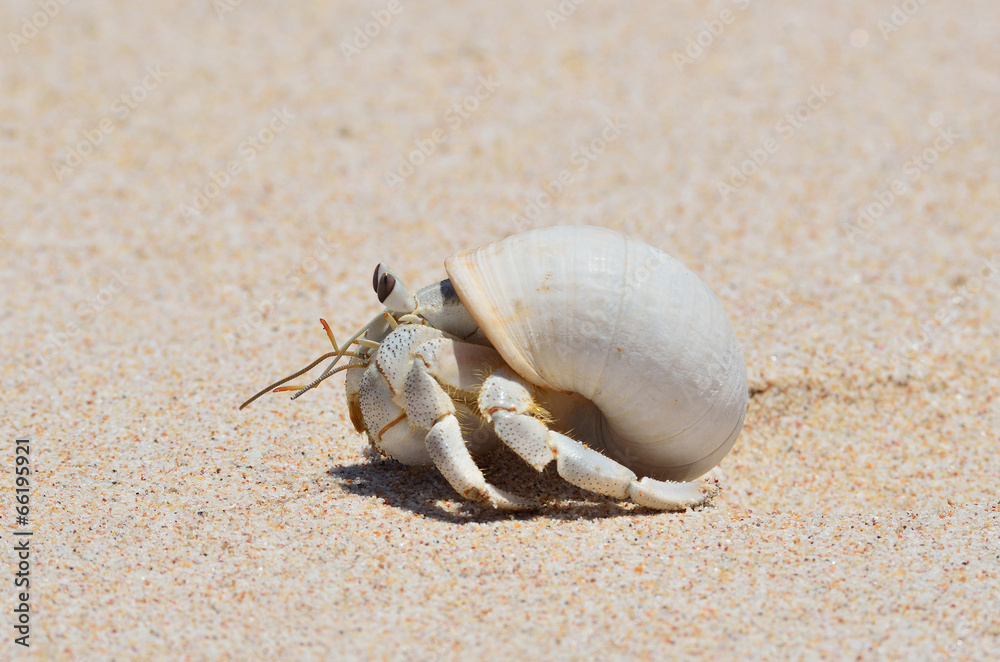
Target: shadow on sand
[[422, 490]]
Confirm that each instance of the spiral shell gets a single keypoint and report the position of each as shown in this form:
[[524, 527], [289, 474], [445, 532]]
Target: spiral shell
[[589, 311]]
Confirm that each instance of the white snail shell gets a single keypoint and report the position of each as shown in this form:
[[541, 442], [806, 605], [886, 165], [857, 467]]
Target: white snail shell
[[589, 311]]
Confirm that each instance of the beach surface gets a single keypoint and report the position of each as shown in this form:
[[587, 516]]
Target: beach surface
[[186, 188]]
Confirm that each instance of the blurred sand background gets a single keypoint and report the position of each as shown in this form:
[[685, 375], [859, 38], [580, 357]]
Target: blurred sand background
[[185, 188]]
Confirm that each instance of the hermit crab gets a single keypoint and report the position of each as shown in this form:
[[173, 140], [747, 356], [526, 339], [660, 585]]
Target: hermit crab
[[569, 343]]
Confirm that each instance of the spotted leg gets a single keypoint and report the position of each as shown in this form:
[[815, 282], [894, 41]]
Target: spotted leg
[[507, 400], [430, 407]]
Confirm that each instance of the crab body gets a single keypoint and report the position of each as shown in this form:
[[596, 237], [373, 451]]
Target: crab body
[[571, 344], [446, 339]]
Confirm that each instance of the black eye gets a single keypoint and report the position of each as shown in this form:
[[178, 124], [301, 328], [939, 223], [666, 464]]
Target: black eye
[[378, 270], [384, 287]]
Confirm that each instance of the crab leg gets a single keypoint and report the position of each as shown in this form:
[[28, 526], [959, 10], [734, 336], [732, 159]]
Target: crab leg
[[507, 400], [429, 406]]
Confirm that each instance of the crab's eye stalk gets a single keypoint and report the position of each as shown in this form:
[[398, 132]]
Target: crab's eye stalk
[[391, 292]]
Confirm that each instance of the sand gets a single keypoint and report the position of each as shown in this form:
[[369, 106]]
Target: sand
[[186, 190]]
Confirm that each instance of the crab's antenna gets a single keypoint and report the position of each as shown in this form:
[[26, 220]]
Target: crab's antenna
[[290, 377], [337, 353], [355, 338], [329, 369], [329, 333], [335, 371], [350, 341]]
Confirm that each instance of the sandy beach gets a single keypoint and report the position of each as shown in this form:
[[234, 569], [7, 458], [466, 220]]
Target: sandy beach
[[186, 189]]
